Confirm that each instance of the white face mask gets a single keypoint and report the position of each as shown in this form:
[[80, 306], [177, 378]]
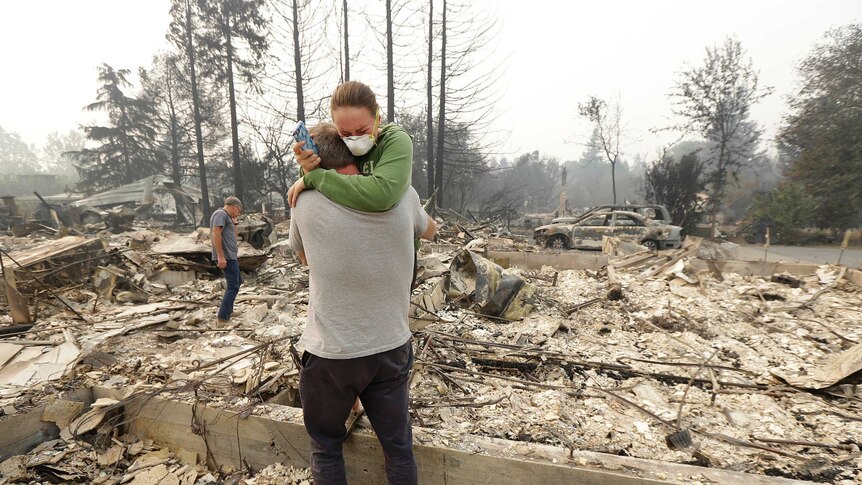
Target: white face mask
[[359, 145]]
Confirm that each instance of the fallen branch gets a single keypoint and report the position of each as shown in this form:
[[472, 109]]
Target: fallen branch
[[472, 404], [804, 443], [582, 305]]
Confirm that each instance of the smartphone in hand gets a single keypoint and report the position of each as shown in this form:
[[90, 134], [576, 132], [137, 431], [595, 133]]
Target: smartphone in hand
[[300, 133]]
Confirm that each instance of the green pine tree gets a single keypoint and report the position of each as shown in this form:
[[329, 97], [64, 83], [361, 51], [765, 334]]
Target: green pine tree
[[125, 149]]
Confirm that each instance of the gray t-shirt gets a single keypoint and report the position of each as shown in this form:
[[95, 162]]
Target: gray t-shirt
[[360, 270], [228, 234]]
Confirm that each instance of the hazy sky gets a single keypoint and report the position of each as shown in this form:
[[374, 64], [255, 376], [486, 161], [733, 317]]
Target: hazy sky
[[559, 53]]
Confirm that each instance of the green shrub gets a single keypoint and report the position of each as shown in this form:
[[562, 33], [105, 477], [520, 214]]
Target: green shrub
[[790, 210]]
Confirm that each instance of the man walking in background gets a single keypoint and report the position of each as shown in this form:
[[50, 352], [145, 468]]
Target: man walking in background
[[224, 241]]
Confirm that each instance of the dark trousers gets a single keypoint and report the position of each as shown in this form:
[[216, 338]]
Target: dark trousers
[[329, 388], [233, 279]]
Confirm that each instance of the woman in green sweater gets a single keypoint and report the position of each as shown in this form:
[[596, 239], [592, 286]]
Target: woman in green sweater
[[385, 155]]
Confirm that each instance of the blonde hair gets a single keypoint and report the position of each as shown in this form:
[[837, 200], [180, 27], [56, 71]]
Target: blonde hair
[[356, 94]]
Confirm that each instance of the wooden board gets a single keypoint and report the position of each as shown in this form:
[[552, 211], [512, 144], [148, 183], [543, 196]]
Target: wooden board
[[8, 351], [53, 249], [17, 302]]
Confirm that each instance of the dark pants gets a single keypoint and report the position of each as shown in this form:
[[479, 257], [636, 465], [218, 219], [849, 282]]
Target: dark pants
[[329, 388], [233, 279]]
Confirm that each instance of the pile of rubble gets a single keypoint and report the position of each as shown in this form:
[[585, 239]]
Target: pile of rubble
[[134, 311], [739, 373], [123, 460], [85, 292], [129, 461], [157, 199], [656, 355]]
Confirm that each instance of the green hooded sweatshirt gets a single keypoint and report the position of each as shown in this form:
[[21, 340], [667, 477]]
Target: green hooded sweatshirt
[[388, 169]]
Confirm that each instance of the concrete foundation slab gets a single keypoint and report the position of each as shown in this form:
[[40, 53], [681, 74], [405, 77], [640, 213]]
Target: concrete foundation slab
[[220, 437], [560, 261]]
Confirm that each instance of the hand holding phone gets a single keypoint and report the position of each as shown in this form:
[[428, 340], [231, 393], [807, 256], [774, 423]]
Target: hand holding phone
[[300, 133]]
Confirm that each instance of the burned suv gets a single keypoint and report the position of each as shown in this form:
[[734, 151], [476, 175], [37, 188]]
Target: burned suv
[[655, 212], [587, 231]]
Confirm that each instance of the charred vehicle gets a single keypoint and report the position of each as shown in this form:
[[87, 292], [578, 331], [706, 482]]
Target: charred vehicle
[[587, 232], [655, 212]]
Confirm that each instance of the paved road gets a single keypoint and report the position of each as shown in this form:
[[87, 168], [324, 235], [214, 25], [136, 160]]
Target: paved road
[[804, 254]]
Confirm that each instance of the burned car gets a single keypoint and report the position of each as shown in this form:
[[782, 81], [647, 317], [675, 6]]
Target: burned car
[[655, 212], [587, 232]]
